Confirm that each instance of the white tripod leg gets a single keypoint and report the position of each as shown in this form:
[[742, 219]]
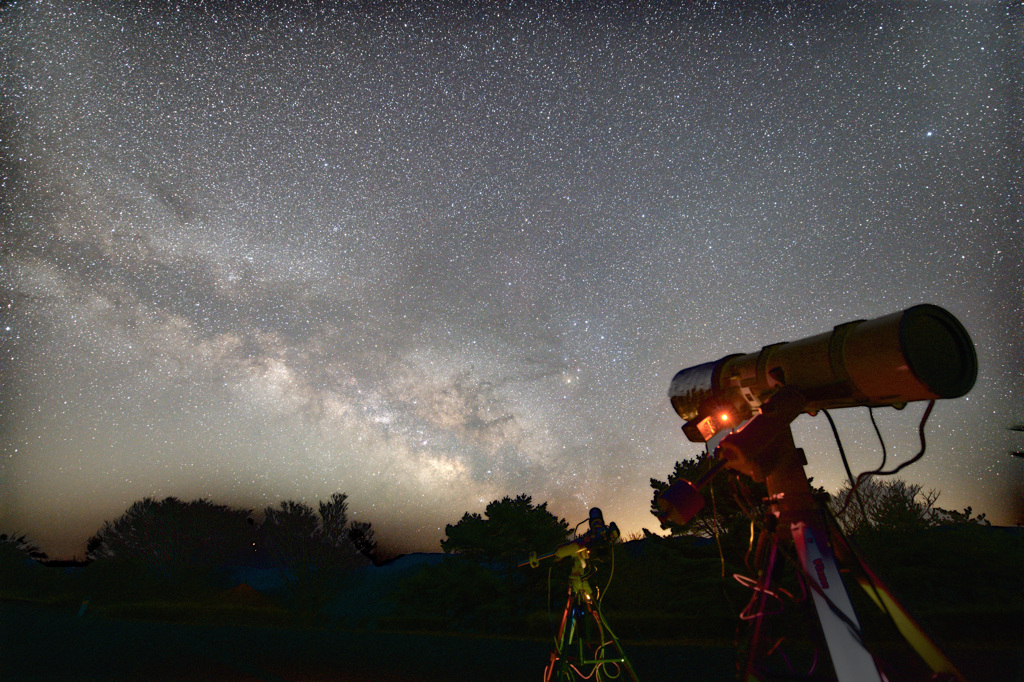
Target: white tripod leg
[[853, 663]]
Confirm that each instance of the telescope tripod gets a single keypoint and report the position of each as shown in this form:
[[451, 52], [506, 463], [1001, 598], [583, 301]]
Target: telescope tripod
[[584, 637], [798, 519], [764, 450], [818, 581]]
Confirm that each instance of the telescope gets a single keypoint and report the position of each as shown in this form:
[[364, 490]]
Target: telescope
[[579, 645], [921, 353], [599, 535]]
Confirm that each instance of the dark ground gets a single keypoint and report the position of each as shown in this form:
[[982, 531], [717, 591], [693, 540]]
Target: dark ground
[[44, 643], [54, 643]]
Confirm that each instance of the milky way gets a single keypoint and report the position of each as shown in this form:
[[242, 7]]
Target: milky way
[[431, 255]]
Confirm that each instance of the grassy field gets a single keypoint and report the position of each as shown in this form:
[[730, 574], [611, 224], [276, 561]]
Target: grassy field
[[167, 641], [418, 619], [54, 643]]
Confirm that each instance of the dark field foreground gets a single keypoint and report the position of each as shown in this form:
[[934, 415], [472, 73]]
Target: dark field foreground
[[50, 643], [54, 643]]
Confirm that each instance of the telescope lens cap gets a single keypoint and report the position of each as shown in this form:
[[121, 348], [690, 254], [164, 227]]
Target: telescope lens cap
[[938, 350]]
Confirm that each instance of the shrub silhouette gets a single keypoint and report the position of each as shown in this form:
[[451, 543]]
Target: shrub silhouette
[[363, 538], [159, 545], [509, 528], [19, 564], [893, 506], [311, 550], [478, 586]]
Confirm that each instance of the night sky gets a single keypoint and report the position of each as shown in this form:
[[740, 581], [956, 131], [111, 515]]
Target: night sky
[[433, 254]]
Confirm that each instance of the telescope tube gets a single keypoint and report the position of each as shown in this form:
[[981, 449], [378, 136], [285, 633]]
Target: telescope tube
[[921, 353]]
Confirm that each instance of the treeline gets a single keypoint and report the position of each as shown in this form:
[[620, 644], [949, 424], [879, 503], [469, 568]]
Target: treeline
[[171, 551], [162, 554], [694, 584]]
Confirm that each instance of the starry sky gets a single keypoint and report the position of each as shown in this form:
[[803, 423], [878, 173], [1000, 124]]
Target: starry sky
[[432, 254]]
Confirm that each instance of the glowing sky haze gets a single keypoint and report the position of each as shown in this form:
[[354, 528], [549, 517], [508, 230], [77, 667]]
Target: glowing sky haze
[[433, 254]]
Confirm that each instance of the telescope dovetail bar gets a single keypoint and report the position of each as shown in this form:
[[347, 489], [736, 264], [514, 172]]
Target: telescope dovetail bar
[[921, 353]]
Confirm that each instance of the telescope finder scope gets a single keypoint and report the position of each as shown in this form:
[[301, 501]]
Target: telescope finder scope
[[921, 353]]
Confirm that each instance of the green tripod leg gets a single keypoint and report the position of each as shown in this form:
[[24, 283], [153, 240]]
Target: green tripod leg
[[580, 652]]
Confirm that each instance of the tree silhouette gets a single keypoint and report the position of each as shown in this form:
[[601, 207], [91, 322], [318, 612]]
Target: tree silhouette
[[478, 586], [509, 528], [362, 537], [893, 505], [311, 550], [181, 542], [19, 563]]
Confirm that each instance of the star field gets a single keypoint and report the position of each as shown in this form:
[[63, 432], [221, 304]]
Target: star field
[[431, 255]]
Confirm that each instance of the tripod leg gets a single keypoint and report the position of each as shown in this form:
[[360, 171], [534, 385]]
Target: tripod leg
[[608, 637], [761, 594], [559, 666], [852, 662], [879, 593]]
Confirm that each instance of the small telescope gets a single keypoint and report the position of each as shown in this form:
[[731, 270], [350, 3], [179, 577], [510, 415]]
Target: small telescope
[[599, 535], [579, 645], [921, 353]]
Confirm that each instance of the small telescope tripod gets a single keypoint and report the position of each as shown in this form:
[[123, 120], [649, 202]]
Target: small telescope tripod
[[585, 646]]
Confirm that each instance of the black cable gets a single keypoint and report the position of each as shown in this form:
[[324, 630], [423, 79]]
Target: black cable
[[880, 472], [833, 607], [611, 574], [792, 558], [869, 576], [846, 465], [839, 444], [551, 616], [881, 441], [920, 433], [831, 522], [855, 485], [714, 516]]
